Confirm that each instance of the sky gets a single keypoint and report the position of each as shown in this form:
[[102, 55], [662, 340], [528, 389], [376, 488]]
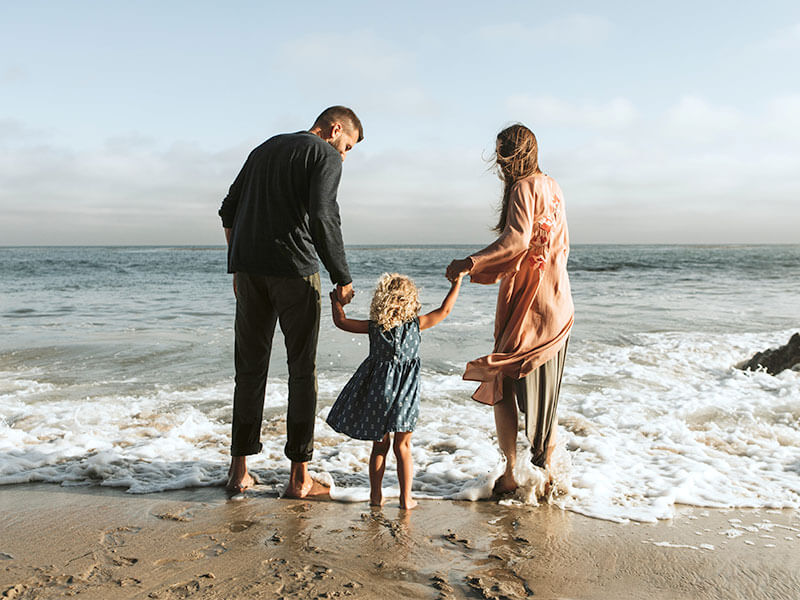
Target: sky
[[126, 122]]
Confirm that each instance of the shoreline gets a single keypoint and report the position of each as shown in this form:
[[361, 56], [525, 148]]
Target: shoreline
[[95, 542]]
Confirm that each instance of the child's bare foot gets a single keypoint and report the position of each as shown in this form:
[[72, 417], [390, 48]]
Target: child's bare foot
[[407, 504], [505, 484], [376, 499]]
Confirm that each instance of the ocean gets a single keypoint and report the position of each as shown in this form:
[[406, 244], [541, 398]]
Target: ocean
[[116, 369]]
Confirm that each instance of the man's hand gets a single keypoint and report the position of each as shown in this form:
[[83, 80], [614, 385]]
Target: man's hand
[[458, 268], [234, 284], [344, 293]]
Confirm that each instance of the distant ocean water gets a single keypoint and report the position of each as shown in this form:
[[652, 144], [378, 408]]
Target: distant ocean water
[[116, 368]]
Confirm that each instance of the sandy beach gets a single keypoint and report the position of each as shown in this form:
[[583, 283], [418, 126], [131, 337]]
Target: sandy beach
[[95, 542]]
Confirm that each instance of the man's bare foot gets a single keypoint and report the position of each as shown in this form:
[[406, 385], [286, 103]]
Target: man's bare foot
[[311, 488], [240, 482], [238, 478], [376, 499], [505, 484], [407, 504]]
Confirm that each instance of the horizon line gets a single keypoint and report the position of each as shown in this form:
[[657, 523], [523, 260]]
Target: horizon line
[[410, 245]]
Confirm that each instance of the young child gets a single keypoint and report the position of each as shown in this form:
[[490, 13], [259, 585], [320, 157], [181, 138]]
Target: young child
[[383, 395]]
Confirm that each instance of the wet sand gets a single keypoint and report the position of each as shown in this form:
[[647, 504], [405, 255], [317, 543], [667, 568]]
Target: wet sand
[[94, 542]]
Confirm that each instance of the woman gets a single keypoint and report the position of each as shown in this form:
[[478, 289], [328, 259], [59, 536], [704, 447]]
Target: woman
[[534, 304]]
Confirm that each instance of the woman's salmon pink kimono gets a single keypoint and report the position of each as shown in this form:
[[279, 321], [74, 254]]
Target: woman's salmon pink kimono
[[534, 304]]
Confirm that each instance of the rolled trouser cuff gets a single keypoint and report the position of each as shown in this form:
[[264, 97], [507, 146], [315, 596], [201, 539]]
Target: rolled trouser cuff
[[246, 451], [298, 456]]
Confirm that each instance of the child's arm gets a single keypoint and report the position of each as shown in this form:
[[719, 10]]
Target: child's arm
[[436, 316], [341, 320]]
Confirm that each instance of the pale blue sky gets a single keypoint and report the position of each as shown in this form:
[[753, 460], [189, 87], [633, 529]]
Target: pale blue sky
[[125, 123]]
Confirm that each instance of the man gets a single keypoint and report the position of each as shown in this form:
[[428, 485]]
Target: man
[[280, 210]]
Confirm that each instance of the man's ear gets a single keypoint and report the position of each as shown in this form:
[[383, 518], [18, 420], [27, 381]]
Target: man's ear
[[336, 130]]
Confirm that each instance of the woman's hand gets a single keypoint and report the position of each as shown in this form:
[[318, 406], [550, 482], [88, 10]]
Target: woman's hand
[[458, 268]]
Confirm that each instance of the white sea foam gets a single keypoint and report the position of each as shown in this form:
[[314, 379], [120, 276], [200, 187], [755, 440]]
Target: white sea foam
[[662, 420]]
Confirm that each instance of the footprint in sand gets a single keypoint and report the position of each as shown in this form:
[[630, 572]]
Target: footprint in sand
[[439, 581], [500, 585], [14, 591], [238, 526], [454, 539], [215, 548], [114, 538], [276, 538], [397, 529], [111, 542], [183, 516], [182, 590]]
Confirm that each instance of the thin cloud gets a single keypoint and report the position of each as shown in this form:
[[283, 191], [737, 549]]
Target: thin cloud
[[13, 131], [385, 75], [695, 119], [616, 113], [112, 194], [331, 58], [693, 173], [12, 74], [635, 181], [577, 29], [783, 117], [786, 38]]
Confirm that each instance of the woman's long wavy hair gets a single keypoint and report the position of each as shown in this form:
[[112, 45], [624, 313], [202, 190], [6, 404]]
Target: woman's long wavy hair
[[516, 157], [395, 301]]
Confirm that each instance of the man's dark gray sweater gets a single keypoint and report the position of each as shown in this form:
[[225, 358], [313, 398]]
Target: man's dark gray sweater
[[282, 206]]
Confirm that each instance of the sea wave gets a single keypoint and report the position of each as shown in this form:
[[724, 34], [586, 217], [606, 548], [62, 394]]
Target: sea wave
[[660, 420]]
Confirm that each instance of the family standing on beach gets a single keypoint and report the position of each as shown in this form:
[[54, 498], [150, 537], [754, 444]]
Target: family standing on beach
[[281, 212]]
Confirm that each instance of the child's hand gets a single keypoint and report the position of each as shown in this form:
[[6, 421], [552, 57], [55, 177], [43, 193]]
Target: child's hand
[[334, 298], [456, 281], [458, 268]]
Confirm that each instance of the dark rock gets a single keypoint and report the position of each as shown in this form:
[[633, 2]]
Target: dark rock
[[775, 360]]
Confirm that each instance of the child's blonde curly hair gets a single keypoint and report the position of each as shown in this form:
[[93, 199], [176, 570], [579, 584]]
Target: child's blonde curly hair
[[395, 301]]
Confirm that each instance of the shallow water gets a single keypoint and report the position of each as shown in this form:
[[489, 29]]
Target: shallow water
[[116, 368]]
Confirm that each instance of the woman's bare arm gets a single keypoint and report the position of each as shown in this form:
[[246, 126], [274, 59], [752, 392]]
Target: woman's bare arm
[[342, 322], [437, 316]]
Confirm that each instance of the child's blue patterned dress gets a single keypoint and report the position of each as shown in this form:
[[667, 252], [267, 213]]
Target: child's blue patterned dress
[[383, 393]]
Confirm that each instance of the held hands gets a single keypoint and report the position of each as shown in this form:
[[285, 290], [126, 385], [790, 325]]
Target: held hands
[[337, 310], [344, 293], [458, 268]]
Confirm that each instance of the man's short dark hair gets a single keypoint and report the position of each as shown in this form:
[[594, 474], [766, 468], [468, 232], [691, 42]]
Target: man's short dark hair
[[343, 115]]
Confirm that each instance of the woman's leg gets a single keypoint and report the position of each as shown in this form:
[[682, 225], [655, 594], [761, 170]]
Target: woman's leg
[[550, 447], [405, 468], [505, 420], [377, 465]]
